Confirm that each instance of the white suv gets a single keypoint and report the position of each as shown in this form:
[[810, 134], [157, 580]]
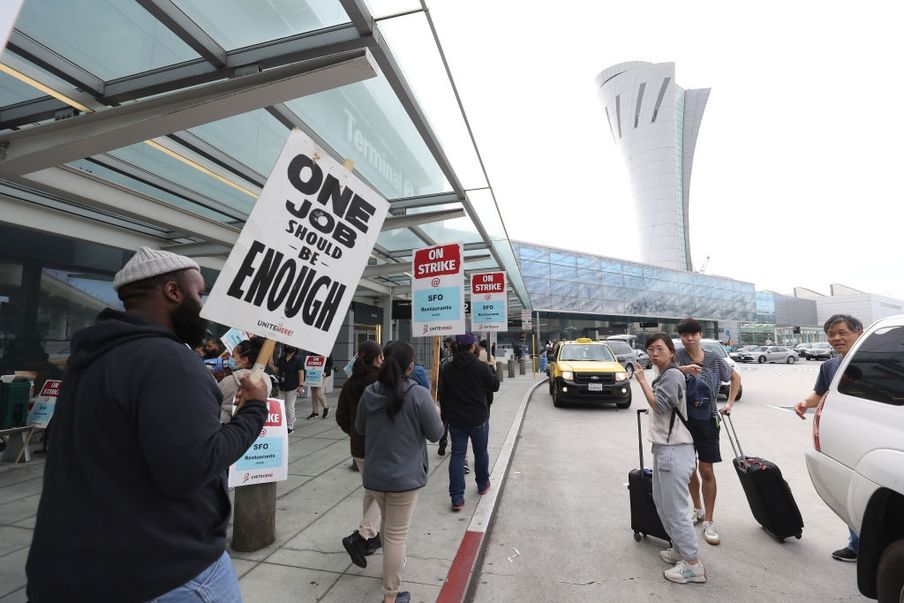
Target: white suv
[[857, 464]]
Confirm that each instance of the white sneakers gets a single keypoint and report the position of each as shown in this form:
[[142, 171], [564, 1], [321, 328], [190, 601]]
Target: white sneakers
[[709, 533], [670, 556], [697, 515], [684, 572]]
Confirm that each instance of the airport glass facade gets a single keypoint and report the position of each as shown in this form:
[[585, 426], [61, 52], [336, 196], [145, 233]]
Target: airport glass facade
[[566, 281]]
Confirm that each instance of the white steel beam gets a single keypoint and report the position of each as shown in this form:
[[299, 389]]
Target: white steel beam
[[395, 222], [91, 191], [34, 149]]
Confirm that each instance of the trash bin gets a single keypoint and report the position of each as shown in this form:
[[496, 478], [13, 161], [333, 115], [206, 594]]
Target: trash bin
[[511, 368], [500, 369], [522, 366]]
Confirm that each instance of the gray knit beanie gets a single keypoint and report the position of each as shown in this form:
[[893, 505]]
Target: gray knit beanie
[[149, 262]]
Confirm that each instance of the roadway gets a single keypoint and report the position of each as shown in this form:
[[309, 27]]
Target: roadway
[[562, 526]]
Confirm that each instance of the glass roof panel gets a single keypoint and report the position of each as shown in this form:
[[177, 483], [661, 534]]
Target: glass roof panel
[[398, 239], [13, 91], [414, 48], [157, 162], [108, 38], [254, 138], [365, 122], [238, 23], [146, 189]]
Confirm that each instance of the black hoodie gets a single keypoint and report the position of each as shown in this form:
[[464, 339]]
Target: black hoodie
[[134, 501], [464, 385]]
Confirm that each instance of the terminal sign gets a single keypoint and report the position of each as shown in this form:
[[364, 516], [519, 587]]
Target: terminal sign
[[489, 302], [437, 291]]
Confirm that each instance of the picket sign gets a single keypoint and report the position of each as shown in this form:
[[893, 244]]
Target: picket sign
[[296, 265]]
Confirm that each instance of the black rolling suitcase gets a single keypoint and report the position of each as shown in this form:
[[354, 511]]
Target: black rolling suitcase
[[767, 491], [644, 518]]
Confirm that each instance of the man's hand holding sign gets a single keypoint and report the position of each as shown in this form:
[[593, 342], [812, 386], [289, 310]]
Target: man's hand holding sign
[[291, 277]]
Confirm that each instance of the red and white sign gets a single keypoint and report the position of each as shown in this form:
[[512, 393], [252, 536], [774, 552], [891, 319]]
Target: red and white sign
[[313, 370], [489, 302], [267, 459], [437, 291]]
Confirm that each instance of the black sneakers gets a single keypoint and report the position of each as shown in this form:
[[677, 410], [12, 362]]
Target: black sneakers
[[356, 547], [442, 448], [312, 415], [326, 411], [845, 554], [372, 545]]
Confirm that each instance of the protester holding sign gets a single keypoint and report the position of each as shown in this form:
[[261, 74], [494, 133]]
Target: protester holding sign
[[318, 399], [134, 504], [365, 540], [243, 357], [395, 415], [290, 370]]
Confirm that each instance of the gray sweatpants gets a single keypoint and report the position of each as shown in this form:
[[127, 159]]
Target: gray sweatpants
[[672, 468]]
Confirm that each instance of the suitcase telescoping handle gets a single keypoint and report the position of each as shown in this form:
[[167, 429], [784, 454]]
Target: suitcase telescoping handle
[[640, 435], [733, 437]]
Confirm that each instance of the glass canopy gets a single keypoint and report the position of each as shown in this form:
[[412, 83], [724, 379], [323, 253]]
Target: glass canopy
[[403, 129], [238, 23]]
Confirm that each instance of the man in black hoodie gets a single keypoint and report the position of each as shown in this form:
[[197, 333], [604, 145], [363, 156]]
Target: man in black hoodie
[[464, 384], [135, 503]]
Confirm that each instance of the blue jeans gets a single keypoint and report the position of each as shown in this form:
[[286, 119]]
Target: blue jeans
[[854, 542], [479, 435], [216, 584]]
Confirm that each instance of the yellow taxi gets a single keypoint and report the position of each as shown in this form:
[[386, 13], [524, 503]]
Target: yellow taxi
[[587, 370]]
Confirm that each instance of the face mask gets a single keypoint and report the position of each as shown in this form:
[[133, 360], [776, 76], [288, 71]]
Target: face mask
[[231, 364]]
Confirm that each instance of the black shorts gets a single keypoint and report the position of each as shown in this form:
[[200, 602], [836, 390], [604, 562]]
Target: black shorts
[[706, 440]]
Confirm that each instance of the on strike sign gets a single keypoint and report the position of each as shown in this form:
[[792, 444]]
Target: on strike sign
[[437, 291], [295, 267], [267, 460], [489, 302]]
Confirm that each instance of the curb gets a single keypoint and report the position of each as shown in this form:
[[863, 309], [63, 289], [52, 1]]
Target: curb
[[460, 577]]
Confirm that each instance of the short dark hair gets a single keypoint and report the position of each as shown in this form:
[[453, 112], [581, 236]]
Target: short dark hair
[[689, 326], [664, 338], [852, 323]]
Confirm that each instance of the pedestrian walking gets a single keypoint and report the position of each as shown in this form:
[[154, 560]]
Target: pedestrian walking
[[842, 331], [464, 384], [395, 415], [365, 540], [319, 405], [289, 369], [134, 505], [241, 363], [673, 459], [710, 367]]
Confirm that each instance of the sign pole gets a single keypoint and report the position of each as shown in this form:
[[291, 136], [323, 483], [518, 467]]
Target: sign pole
[[434, 368], [254, 516]]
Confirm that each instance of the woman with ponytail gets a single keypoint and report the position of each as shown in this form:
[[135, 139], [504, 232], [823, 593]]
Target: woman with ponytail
[[395, 415], [365, 540]]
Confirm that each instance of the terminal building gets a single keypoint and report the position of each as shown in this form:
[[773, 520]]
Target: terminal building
[[157, 123]]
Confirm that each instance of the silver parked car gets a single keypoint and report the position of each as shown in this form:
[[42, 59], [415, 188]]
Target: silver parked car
[[821, 350], [771, 353]]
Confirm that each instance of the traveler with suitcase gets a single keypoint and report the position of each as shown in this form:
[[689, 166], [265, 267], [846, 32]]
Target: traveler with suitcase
[[673, 460]]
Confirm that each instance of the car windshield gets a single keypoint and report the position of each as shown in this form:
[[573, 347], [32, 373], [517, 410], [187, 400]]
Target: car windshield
[[579, 351], [823, 345], [714, 347], [619, 347]]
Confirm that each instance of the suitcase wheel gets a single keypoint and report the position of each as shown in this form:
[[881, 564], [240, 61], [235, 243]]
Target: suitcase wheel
[[637, 536]]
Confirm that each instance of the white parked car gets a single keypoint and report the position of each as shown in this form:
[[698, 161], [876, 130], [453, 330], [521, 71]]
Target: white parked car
[[857, 462]]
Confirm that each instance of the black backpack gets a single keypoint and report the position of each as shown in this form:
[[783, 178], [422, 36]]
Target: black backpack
[[700, 397]]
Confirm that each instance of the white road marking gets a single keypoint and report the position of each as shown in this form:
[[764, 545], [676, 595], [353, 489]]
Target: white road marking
[[780, 408]]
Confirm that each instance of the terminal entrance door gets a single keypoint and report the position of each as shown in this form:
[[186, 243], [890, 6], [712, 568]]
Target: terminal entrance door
[[365, 332]]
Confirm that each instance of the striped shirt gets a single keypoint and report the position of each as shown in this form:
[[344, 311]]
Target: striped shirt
[[715, 369]]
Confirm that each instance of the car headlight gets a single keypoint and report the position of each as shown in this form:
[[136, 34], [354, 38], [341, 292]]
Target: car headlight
[[567, 375], [621, 376]]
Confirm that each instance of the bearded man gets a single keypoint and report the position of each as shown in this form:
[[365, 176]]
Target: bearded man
[[135, 505]]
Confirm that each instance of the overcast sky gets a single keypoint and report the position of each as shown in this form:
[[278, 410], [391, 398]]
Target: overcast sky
[[797, 168]]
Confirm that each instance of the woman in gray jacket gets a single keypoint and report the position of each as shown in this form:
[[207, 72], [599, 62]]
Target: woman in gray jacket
[[395, 415], [673, 459]]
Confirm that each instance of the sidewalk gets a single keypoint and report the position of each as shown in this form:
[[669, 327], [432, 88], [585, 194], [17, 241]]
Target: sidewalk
[[317, 506]]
